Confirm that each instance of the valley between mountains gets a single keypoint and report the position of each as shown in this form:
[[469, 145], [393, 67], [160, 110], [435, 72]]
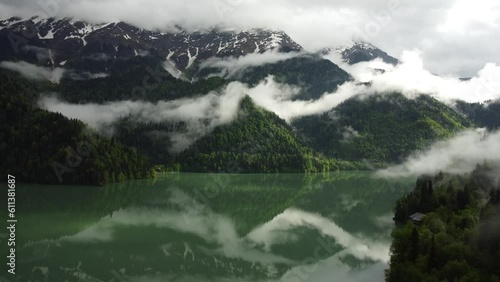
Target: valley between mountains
[[87, 103]]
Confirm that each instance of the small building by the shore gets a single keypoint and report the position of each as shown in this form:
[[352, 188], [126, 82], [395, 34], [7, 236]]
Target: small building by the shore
[[417, 218]]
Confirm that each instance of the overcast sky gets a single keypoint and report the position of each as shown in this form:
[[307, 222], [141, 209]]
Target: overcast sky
[[455, 36]]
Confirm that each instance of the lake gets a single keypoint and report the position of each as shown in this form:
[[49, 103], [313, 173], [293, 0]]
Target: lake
[[209, 227]]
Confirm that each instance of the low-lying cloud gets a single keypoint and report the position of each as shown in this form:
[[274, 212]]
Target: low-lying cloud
[[41, 54], [34, 72], [204, 113], [376, 77], [52, 74], [412, 79], [201, 114], [458, 155], [83, 75], [231, 66], [278, 98]]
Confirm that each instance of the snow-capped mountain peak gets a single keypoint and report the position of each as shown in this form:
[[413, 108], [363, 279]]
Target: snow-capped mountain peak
[[70, 38], [360, 52]]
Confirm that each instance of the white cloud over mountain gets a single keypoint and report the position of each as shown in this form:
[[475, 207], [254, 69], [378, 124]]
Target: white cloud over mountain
[[455, 36]]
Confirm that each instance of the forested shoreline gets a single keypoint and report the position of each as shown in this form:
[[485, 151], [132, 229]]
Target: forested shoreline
[[458, 238]]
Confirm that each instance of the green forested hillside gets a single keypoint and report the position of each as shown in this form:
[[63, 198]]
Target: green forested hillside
[[44, 147], [313, 74], [459, 237], [376, 130], [381, 129], [258, 141], [138, 82]]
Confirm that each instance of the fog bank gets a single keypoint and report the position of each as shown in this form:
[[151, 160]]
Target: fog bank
[[458, 155]]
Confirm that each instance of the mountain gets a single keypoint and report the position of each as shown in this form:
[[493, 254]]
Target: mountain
[[57, 42], [154, 66], [119, 56], [382, 128], [124, 85], [361, 52], [313, 74]]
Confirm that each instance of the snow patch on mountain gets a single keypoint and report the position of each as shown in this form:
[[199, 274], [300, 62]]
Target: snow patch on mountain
[[71, 38]]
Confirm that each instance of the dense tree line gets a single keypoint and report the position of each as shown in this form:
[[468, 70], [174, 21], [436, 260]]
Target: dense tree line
[[45, 147], [381, 129], [459, 237], [486, 115]]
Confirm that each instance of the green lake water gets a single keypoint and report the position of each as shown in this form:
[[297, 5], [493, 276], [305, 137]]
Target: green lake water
[[208, 227]]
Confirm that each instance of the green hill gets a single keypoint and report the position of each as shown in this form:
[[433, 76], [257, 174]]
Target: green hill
[[381, 129], [257, 141], [44, 147]]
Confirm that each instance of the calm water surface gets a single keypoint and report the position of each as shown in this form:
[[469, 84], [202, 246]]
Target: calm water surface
[[203, 227]]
